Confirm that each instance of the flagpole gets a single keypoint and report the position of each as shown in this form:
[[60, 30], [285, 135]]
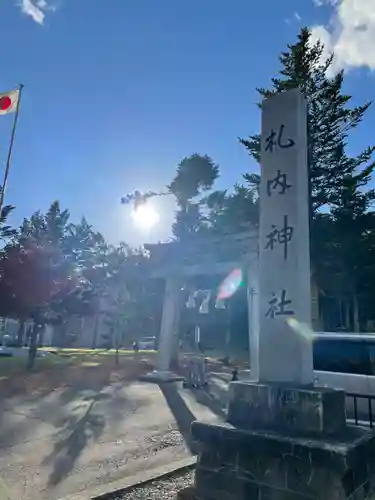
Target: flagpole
[[10, 150]]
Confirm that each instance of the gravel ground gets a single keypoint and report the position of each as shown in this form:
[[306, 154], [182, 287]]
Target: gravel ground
[[165, 489]]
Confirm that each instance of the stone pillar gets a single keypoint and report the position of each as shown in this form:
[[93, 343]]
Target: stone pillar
[[284, 439], [168, 322], [167, 338], [253, 319], [284, 255]]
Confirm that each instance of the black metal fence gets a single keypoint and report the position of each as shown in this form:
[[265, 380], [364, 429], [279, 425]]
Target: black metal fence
[[359, 409]]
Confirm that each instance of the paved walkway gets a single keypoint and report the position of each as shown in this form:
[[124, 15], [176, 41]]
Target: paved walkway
[[70, 441]]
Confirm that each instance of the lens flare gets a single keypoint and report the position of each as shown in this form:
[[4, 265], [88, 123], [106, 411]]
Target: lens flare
[[230, 284], [303, 330]]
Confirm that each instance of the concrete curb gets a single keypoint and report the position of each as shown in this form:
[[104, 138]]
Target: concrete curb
[[125, 485]]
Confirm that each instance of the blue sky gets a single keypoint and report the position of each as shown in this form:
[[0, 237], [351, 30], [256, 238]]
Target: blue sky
[[118, 91]]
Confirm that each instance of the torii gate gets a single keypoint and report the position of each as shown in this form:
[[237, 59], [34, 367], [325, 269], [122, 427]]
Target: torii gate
[[202, 255]]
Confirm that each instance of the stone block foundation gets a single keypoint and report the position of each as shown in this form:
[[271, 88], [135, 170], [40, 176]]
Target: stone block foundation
[[239, 463]]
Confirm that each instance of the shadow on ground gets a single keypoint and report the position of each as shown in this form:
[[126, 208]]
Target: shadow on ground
[[214, 401], [181, 412], [67, 450], [70, 410], [35, 397], [74, 435], [49, 405]]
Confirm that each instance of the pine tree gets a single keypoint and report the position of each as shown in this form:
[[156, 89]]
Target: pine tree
[[233, 212], [329, 121], [195, 174], [354, 238]]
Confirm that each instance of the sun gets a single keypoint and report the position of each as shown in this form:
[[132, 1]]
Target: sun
[[145, 216]]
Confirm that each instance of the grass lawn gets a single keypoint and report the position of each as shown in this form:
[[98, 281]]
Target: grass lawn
[[14, 365], [71, 368], [92, 352]]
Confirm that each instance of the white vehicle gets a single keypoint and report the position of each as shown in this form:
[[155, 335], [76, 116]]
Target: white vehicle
[[147, 344]]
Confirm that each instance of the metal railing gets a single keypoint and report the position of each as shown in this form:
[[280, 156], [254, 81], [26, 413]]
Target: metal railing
[[360, 409]]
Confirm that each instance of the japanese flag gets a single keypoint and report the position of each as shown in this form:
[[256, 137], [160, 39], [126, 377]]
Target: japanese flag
[[9, 101]]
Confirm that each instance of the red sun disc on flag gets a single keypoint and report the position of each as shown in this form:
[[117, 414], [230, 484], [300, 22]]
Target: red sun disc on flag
[[5, 103]]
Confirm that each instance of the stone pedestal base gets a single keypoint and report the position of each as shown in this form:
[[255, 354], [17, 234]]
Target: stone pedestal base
[[237, 464], [290, 410], [160, 376]]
